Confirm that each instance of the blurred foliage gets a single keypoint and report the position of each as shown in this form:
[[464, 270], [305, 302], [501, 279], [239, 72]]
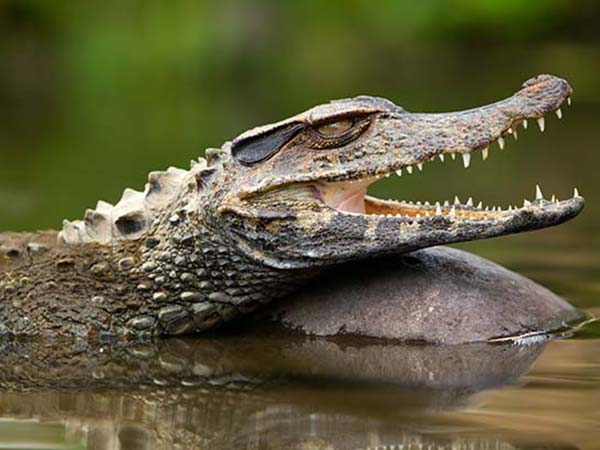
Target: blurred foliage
[[95, 94]]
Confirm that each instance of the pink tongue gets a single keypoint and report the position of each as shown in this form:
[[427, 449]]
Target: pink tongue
[[347, 197], [354, 204]]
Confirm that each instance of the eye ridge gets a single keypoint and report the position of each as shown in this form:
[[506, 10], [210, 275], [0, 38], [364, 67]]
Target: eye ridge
[[256, 149]]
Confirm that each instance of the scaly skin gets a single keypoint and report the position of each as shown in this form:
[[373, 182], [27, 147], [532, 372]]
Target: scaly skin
[[259, 217]]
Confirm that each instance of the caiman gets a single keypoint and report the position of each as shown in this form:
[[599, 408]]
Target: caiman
[[261, 216]]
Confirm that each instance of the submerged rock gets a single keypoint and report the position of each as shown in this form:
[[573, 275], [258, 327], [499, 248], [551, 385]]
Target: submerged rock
[[437, 295]]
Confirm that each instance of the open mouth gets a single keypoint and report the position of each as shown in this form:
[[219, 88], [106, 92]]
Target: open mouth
[[350, 196]]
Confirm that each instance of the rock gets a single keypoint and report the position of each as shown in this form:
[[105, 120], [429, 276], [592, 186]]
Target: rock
[[437, 295]]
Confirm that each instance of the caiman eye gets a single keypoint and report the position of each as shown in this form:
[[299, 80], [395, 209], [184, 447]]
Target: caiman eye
[[339, 133], [335, 128]]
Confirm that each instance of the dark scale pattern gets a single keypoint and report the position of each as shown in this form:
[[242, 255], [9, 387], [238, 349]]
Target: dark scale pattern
[[197, 279]]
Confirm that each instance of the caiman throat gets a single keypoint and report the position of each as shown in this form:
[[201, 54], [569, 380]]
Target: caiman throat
[[263, 214]]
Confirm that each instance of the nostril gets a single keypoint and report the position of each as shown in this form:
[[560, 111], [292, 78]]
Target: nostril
[[542, 79], [548, 84], [541, 95]]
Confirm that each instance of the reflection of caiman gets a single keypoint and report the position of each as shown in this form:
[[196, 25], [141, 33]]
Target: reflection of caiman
[[271, 391], [263, 214]]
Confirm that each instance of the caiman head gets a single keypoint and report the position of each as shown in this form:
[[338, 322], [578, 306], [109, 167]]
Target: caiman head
[[294, 193]]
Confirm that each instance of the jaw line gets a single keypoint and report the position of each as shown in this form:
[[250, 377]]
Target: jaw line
[[350, 199]]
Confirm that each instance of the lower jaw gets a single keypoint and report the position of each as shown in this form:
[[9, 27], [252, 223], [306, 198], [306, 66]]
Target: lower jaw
[[352, 198], [375, 206]]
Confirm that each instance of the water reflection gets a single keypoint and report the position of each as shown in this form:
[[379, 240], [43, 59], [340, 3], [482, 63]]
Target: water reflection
[[259, 392]]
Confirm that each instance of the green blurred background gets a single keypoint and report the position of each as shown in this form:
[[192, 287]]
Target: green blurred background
[[95, 94]]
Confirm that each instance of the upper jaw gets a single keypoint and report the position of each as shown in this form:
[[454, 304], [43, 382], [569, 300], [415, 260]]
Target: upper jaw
[[403, 142], [412, 140]]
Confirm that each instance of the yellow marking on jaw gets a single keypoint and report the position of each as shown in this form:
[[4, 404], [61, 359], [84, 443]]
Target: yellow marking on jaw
[[370, 232]]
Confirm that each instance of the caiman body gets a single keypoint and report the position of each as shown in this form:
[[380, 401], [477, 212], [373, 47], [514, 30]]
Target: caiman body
[[260, 216]]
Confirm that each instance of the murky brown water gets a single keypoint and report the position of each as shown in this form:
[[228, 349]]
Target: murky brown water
[[278, 391]]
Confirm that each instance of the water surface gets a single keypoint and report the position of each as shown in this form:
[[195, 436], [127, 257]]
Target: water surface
[[280, 391]]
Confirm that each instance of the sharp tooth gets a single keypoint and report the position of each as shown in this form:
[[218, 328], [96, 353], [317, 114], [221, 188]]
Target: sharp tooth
[[438, 210], [526, 203], [441, 156], [559, 113], [466, 159], [487, 208], [479, 205], [452, 212], [446, 203], [569, 101], [453, 155], [484, 153], [420, 166], [576, 193], [427, 203], [509, 208], [409, 170], [541, 123], [470, 201], [399, 173], [524, 124], [494, 209], [456, 200], [515, 134], [501, 142], [553, 199], [538, 192]]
